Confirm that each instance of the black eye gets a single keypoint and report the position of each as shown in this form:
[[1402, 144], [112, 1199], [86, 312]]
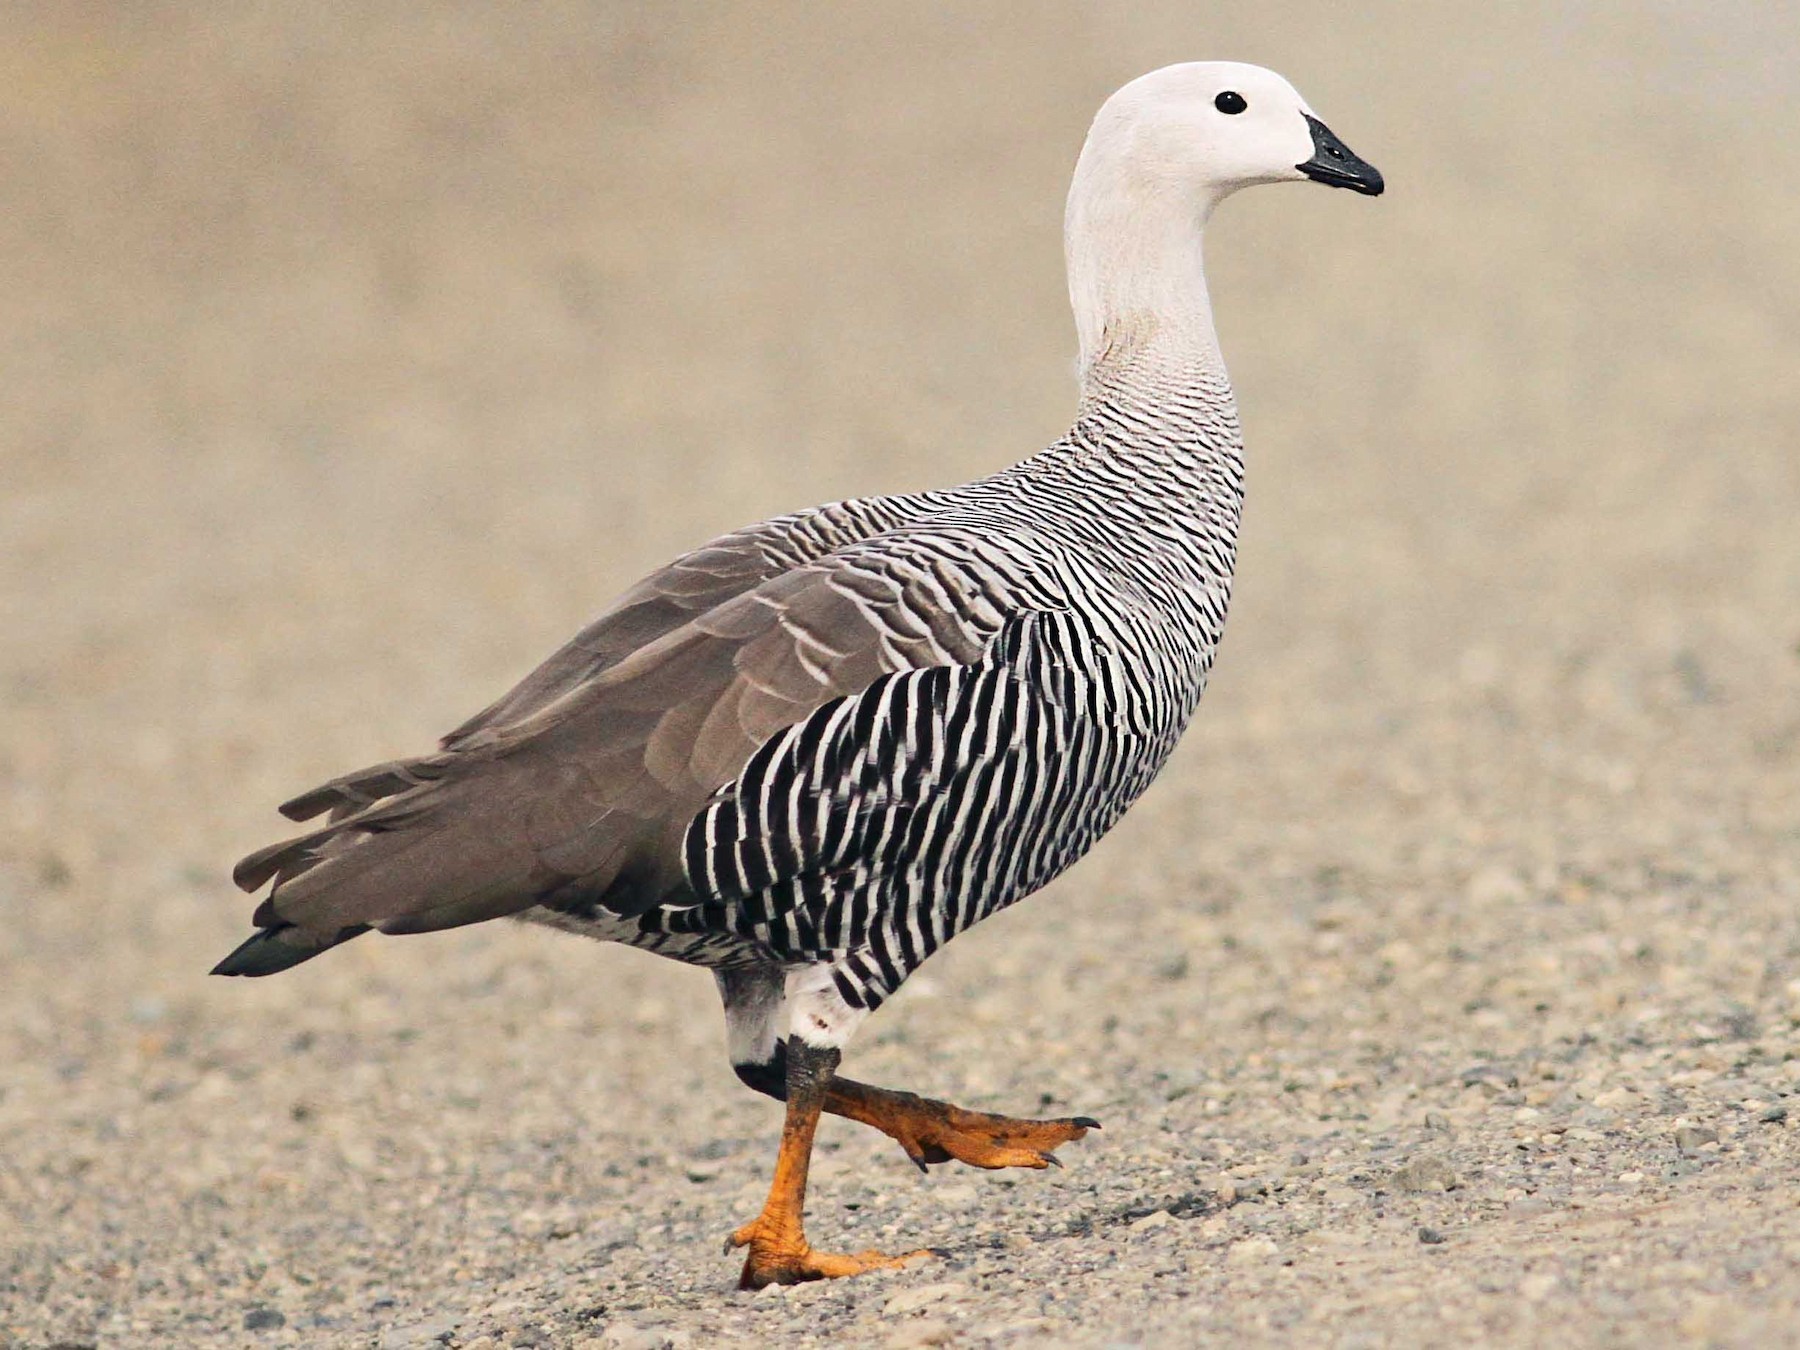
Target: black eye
[[1230, 102]]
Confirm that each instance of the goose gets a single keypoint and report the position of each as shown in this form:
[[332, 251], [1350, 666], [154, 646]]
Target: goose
[[809, 753]]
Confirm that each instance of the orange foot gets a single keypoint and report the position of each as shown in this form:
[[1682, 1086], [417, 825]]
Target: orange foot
[[935, 1132], [787, 1258]]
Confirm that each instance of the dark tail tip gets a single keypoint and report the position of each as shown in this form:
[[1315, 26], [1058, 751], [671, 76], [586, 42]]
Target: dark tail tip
[[277, 949]]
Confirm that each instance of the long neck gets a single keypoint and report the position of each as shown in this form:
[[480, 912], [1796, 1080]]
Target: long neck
[[1138, 288]]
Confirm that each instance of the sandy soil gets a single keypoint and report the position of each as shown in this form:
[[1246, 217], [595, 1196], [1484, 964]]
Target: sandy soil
[[1446, 990]]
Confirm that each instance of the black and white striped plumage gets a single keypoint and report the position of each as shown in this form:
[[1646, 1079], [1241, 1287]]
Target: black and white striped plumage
[[1093, 593]]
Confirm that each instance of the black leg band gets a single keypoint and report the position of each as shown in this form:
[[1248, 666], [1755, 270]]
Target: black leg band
[[770, 1078]]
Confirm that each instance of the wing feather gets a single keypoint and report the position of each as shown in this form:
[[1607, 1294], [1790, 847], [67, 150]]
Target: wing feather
[[579, 786]]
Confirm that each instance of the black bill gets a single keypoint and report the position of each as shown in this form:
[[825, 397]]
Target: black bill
[[1335, 163]]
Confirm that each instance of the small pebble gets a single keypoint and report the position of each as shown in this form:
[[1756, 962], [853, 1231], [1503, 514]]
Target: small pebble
[[1430, 1236], [1691, 1138], [911, 1300], [1252, 1251], [630, 1336], [922, 1333], [262, 1318], [1537, 1288], [553, 1225], [420, 1335], [1424, 1175]]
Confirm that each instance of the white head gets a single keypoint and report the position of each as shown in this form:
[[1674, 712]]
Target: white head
[[1163, 152]]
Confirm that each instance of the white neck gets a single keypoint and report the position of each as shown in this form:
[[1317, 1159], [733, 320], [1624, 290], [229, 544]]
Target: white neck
[[1136, 280]]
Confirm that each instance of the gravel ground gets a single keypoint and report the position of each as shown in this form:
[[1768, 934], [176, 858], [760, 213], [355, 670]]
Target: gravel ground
[[1447, 988]]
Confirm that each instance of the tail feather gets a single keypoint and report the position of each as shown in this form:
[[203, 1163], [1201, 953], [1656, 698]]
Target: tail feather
[[281, 948], [289, 858], [489, 830], [346, 795], [439, 854]]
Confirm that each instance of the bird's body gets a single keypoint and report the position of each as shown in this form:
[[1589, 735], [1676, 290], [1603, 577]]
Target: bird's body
[[1066, 611], [809, 753]]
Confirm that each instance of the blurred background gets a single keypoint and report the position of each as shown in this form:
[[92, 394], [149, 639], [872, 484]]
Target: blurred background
[[354, 355]]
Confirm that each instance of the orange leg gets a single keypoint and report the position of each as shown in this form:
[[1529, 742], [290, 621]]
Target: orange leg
[[934, 1132], [779, 1251]]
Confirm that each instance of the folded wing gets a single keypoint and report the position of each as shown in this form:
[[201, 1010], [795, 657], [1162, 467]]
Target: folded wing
[[577, 787]]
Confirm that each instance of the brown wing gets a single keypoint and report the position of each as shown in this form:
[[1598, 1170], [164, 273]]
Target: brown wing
[[580, 793], [662, 602]]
